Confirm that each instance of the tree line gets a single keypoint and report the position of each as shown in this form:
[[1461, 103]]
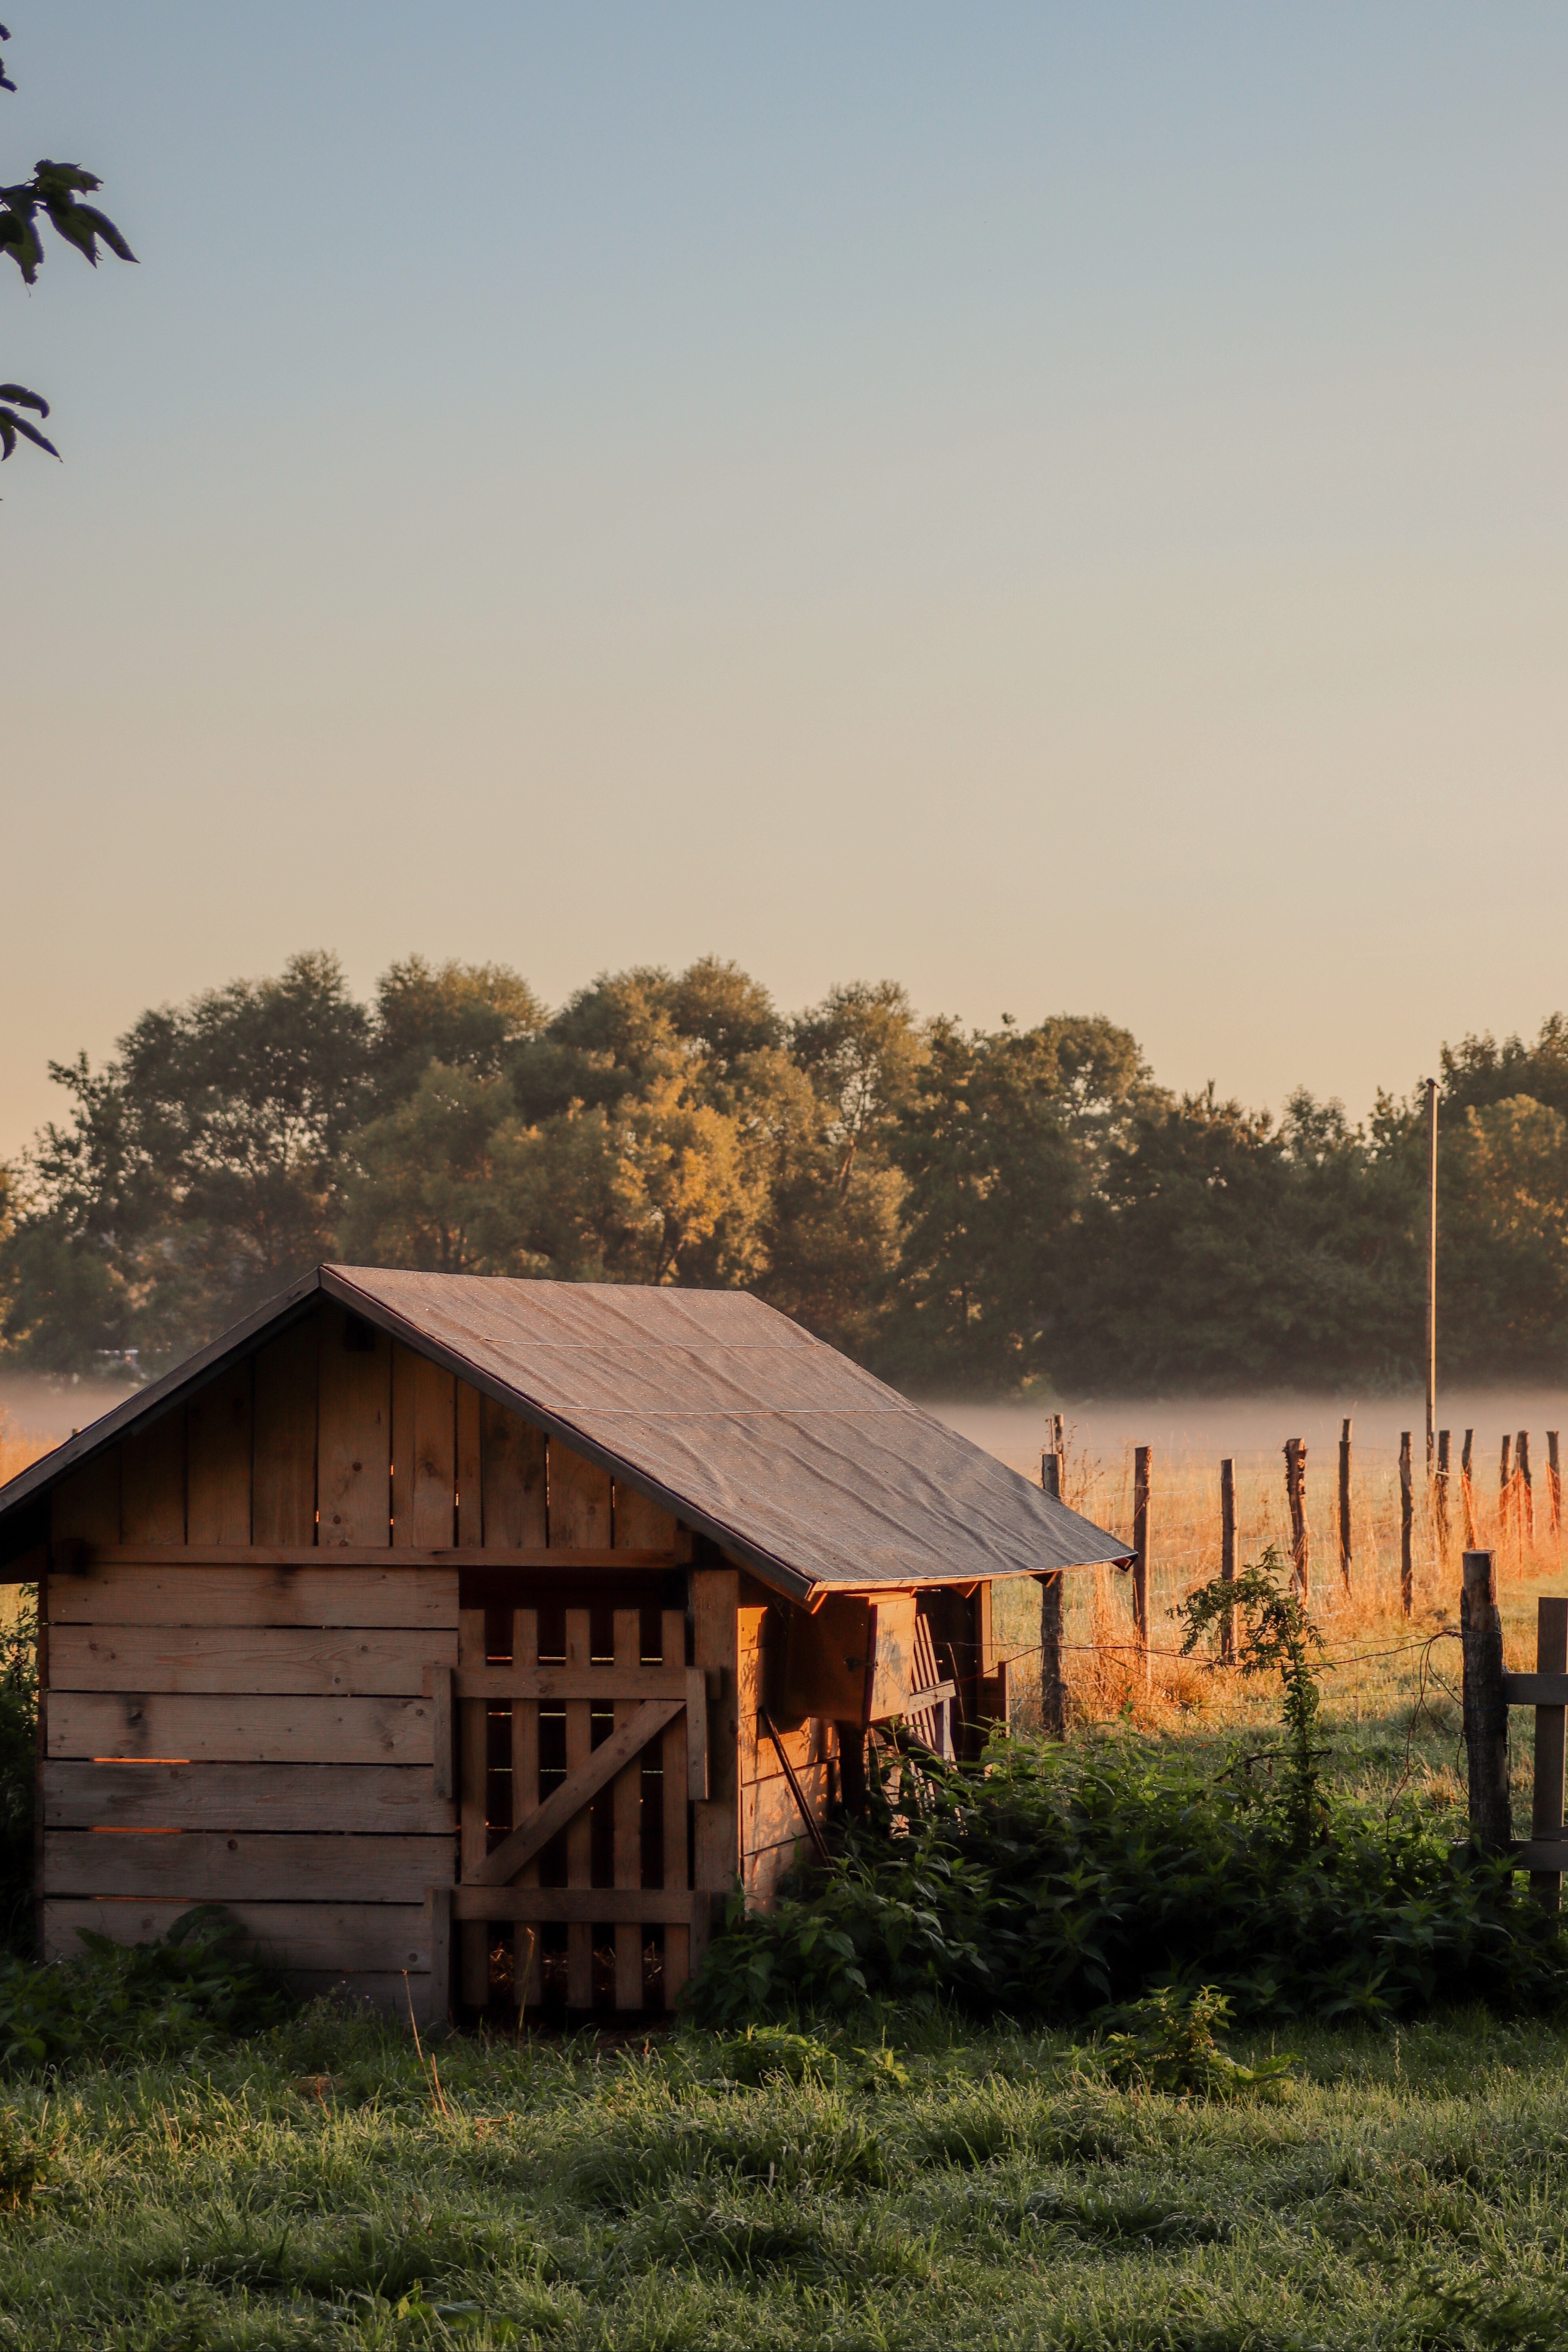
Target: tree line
[[1006, 1210]]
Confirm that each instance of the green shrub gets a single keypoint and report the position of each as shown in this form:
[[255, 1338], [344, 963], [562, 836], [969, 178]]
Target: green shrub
[[1170, 2045], [1062, 1881], [136, 2000]]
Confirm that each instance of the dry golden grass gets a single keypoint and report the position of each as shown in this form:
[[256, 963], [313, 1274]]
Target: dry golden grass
[[1381, 1663]]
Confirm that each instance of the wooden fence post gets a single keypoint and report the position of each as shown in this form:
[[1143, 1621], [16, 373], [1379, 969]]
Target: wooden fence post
[[1227, 1551], [1053, 1688], [1554, 1486], [1296, 1496], [1485, 1706], [1440, 1498], [1406, 1521], [1504, 1492], [1546, 1805], [1467, 1491], [1346, 1547], [1524, 1490], [1142, 1456]]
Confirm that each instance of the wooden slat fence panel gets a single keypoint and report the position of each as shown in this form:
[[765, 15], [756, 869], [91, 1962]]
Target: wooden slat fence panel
[[584, 1700]]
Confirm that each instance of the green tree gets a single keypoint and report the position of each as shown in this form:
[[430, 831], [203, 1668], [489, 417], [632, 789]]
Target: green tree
[[203, 1165], [463, 1016], [1003, 1144], [55, 190]]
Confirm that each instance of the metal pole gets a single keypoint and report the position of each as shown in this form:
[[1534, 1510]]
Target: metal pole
[[1431, 1270]]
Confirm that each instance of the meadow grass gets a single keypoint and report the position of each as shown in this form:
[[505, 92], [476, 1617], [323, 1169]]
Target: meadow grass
[[309, 2188]]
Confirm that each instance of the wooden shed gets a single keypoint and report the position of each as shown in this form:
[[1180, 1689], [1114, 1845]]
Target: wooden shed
[[469, 1639]]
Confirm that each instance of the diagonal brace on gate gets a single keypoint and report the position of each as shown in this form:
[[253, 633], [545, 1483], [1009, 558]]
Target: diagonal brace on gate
[[521, 1846]]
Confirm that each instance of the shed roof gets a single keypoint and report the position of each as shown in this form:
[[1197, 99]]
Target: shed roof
[[820, 1477]]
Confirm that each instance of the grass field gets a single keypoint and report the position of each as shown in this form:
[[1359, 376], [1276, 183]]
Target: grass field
[[309, 2190]]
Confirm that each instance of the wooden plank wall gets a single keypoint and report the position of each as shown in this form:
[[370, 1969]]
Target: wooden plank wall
[[272, 1718], [773, 1834]]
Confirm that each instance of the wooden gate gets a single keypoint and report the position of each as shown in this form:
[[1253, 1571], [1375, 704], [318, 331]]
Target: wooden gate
[[578, 1759]]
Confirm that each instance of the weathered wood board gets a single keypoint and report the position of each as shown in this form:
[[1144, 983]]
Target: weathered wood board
[[334, 1935], [277, 1659], [388, 1798], [176, 1728], [207, 1866], [118, 1593]]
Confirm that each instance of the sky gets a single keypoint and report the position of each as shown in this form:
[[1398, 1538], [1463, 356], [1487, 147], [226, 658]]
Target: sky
[[1065, 507]]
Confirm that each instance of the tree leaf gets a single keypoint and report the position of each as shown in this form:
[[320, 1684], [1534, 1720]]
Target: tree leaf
[[11, 425], [23, 398]]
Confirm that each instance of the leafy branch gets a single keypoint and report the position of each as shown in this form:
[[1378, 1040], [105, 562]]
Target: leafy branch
[[56, 191], [1276, 1637]]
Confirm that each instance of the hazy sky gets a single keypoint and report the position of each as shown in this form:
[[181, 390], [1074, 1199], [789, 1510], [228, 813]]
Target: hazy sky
[[1063, 505]]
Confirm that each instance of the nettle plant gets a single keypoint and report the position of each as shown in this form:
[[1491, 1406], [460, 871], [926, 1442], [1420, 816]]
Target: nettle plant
[[1276, 1636]]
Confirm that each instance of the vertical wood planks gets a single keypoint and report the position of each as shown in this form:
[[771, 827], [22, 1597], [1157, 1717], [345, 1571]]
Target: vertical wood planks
[[86, 1506], [528, 1976], [625, 1796], [473, 1740], [355, 1475], [677, 1866], [218, 1459], [283, 1499], [470, 1472], [641, 1523], [579, 1500], [580, 1831], [423, 1451], [153, 1483], [715, 1600], [512, 1457]]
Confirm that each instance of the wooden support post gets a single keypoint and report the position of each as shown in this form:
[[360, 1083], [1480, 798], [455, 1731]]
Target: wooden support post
[[1524, 1490], [1347, 1546], [1053, 1686], [473, 1777], [1406, 1526], [438, 1916], [1546, 1808], [1467, 1490], [1504, 1492], [1296, 1497], [1227, 1551], [1053, 1683], [716, 1852], [1440, 1497], [1431, 1264], [1143, 1457], [1485, 1706], [1555, 1488]]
